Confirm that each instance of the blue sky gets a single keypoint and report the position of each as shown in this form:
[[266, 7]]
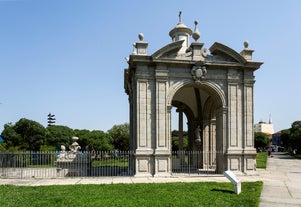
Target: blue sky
[[67, 56]]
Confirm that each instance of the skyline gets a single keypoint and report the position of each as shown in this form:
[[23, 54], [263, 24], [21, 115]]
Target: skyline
[[67, 57]]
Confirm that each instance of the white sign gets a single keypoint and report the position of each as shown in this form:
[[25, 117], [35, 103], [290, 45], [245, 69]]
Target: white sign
[[234, 180]]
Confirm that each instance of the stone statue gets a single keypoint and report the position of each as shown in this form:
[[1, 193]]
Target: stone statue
[[74, 147], [63, 153], [73, 162], [197, 133], [70, 155]]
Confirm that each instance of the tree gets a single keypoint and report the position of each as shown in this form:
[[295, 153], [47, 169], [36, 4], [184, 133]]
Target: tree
[[261, 139], [10, 137], [286, 138], [175, 140], [100, 140], [84, 136], [94, 140], [32, 134], [58, 135], [295, 136], [120, 135]]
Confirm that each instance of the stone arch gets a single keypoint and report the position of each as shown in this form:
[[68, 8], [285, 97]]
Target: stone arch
[[207, 115], [207, 84]]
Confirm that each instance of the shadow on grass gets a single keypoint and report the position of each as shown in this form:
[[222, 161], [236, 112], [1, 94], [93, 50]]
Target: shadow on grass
[[223, 191]]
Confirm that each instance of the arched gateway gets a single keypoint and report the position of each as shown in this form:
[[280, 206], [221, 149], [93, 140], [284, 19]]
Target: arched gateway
[[214, 91]]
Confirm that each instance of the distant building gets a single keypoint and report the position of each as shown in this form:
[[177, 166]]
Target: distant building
[[267, 128]]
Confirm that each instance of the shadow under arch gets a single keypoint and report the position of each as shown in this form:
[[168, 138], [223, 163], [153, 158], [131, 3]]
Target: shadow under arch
[[204, 105]]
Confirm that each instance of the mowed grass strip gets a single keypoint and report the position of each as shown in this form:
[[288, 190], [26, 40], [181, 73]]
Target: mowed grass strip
[[142, 195], [261, 160]]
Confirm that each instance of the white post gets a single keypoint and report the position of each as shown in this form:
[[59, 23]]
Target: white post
[[234, 180]]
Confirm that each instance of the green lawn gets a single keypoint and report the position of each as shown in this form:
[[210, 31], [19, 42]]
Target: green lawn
[[110, 162], [142, 195], [297, 156], [261, 160]]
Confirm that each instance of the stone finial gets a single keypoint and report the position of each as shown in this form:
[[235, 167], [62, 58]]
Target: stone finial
[[141, 46], [246, 52], [196, 34], [141, 36]]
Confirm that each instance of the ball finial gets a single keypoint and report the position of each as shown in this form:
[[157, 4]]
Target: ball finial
[[141, 36], [196, 34], [246, 44]]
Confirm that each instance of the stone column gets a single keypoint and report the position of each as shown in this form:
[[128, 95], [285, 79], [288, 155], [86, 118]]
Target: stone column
[[162, 152], [180, 124], [249, 164], [206, 143], [221, 139], [144, 151], [180, 128], [235, 121], [212, 140]]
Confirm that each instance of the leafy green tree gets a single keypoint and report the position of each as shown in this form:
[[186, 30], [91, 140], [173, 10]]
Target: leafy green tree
[[286, 138], [46, 148], [175, 140], [175, 143], [261, 139], [2, 147], [100, 141], [10, 137], [120, 135], [32, 134], [295, 136], [58, 135], [84, 138]]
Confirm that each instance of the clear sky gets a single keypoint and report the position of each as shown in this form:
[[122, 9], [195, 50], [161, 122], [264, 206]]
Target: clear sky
[[67, 56]]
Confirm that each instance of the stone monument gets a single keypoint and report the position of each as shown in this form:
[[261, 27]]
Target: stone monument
[[73, 162], [214, 89]]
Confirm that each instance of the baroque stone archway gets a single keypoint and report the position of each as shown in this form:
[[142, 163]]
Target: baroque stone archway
[[203, 107], [215, 91]]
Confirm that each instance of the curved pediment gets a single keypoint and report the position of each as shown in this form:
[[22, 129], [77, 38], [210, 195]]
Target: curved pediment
[[168, 50], [226, 53]]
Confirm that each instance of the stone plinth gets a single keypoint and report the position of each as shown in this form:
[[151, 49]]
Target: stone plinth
[[76, 167]]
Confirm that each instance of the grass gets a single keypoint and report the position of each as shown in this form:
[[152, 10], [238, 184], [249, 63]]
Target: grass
[[151, 194], [110, 162], [261, 160], [298, 156]]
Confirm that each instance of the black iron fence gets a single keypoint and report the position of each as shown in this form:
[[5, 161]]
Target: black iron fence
[[95, 163], [194, 162]]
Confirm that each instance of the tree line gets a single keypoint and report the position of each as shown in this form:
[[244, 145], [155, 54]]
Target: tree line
[[30, 135], [291, 138]]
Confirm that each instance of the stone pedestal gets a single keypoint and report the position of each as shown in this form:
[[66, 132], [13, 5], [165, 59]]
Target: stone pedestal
[[73, 168]]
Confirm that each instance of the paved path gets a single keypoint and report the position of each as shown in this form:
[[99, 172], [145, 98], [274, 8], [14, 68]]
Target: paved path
[[282, 181]]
